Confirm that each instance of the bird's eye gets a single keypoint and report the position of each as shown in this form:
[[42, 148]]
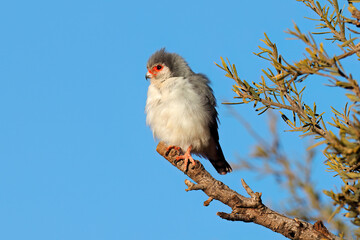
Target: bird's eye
[[158, 67]]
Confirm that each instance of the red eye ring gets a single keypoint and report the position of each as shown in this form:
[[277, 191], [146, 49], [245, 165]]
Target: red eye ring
[[158, 67]]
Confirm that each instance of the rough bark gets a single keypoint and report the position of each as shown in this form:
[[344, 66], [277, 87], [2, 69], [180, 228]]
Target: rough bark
[[245, 209]]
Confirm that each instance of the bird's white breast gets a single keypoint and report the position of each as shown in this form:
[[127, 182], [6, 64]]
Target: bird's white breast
[[176, 114]]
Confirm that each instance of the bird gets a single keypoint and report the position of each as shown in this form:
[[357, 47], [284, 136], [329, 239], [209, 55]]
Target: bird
[[181, 110]]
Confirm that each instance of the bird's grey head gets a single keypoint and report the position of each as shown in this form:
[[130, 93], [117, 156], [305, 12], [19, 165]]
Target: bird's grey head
[[163, 65]]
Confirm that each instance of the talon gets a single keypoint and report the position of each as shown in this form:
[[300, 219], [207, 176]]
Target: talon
[[168, 149], [187, 157]]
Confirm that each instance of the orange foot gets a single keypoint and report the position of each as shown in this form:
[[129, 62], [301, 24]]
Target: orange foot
[[187, 157], [168, 149]]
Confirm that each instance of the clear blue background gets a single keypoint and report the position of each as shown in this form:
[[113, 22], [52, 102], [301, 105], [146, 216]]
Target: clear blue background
[[76, 158]]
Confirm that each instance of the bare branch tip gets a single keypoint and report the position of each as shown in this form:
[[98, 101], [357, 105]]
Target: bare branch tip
[[207, 202], [193, 186], [247, 188], [234, 217], [224, 215]]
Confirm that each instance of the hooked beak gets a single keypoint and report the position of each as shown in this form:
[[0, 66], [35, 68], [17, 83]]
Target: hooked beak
[[148, 75]]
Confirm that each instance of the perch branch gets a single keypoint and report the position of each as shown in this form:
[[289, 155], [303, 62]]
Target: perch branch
[[245, 209]]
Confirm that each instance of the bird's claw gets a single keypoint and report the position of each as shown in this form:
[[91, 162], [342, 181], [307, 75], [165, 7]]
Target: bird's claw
[[187, 157], [168, 149]]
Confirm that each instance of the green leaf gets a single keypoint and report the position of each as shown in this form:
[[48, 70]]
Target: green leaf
[[352, 97], [316, 144], [348, 42], [228, 75], [263, 111], [219, 66], [318, 33], [235, 72]]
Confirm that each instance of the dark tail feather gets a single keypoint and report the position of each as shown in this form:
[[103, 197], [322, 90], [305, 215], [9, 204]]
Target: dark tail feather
[[219, 162]]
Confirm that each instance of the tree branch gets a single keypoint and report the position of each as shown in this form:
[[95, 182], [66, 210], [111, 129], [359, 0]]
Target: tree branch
[[245, 209]]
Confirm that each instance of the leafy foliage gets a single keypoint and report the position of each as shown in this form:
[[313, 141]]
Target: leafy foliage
[[279, 88]]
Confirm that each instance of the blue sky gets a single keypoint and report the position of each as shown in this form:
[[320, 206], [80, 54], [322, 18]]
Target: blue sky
[[76, 158]]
